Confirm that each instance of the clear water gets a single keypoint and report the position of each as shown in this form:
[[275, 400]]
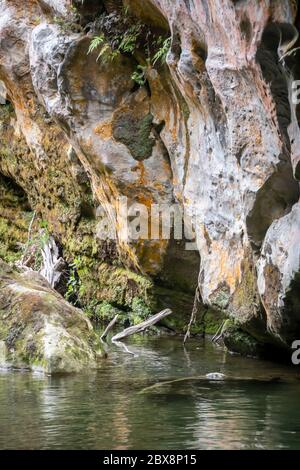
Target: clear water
[[106, 410]]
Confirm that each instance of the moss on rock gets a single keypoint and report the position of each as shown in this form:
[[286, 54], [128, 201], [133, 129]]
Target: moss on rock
[[135, 133], [238, 341], [39, 330], [15, 217]]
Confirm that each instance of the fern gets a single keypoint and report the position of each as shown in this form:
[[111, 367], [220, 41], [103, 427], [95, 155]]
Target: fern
[[96, 42], [161, 54], [126, 35], [129, 41]]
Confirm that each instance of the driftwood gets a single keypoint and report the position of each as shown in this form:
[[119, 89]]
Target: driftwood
[[109, 327], [53, 264], [142, 326], [207, 379]]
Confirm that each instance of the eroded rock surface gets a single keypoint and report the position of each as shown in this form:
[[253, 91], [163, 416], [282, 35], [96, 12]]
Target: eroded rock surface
[[39, 330], [213, 129]]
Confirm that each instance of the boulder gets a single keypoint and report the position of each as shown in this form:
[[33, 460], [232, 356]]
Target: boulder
[[39, 330]]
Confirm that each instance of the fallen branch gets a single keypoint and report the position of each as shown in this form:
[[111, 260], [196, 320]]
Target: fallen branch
[[208, 378], [109, 327], [142, 326], [170, 382]]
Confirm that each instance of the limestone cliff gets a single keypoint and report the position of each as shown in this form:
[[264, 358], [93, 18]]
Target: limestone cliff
[[187, 102]]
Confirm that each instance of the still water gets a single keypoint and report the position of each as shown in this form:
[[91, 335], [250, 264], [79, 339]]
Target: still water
[[111, 410]]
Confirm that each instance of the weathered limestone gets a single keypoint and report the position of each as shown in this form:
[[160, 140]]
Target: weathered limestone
[[214, 129]]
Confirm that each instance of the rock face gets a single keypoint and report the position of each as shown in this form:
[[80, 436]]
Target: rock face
[[39, 330], [212, 128]]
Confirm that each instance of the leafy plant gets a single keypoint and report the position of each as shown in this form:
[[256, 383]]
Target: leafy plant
[[110, 50], [72, 23], [96, 42], [139, 75], [74, 282], [124, 34], [129, 41], [161, 54]]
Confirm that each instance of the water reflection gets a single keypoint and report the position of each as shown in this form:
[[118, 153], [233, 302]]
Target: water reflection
[[106, 410]]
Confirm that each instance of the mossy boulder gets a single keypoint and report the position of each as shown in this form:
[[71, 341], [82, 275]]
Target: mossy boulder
[[41, 331], [239, 341]]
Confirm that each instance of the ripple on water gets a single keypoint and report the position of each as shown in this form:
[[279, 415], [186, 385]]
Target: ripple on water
[[143, 402]]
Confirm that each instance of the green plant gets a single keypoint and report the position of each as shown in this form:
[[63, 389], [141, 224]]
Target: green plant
[[139, 75], [71, 23], [125, 35], [118, 44], [140, 309], [44, 224], [74, 282], [96, 42], [128, 42], [161, 54]]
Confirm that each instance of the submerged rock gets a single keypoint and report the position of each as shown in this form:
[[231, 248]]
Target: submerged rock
[[215, 376], [39, 330]]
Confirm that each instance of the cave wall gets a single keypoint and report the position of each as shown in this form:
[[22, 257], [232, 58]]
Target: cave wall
[[213, 129]]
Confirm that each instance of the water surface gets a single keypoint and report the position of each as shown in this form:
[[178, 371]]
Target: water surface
[[106, 410]]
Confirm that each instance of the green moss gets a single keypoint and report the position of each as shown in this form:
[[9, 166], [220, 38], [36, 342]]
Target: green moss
[[246, 292], [119, 286], [237, 340], [221, 297], [135, 134], [6, 111], [212, 321], [105, 312], [14, 220], [140, 308]]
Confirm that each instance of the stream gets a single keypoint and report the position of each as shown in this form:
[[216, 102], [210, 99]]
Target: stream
[[119, 408]]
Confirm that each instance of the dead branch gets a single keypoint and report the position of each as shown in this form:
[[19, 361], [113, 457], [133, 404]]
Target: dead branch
[[109, 327], [142, 326], [53, 264]]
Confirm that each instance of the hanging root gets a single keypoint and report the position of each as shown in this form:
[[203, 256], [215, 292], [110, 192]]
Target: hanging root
[[196, 308]]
